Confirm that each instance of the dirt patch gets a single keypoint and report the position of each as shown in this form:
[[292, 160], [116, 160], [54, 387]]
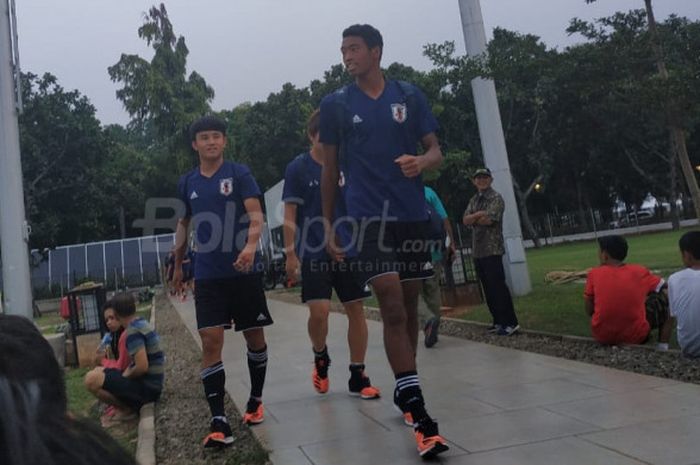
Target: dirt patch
[[182, 413]]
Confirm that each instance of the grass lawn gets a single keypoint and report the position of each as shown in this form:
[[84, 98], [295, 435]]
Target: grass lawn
[[559, 308], [80, 400], [48, 322], [82, 405]]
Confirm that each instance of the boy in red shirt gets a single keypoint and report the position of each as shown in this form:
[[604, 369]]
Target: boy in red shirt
[[615, 296]]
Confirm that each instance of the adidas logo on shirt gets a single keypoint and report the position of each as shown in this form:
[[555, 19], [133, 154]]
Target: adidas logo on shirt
[[194, 195], [427, 266], [262, 317], [356, 119]]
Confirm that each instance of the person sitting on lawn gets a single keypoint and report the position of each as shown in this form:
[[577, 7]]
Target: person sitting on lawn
[[112, 352], [615, 297], [684, 295], [142, 381]]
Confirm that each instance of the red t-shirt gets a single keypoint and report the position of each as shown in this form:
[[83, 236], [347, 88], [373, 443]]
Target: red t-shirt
[[618, 294]]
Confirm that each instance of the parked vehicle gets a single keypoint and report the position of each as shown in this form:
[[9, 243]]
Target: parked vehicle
[[633, 219]]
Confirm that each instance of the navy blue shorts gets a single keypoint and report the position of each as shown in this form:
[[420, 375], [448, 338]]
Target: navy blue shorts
[[394, 247], [132, 392], [320, 277], [238, 301]]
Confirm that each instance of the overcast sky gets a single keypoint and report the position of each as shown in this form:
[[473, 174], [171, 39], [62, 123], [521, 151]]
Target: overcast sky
[[246, 49]]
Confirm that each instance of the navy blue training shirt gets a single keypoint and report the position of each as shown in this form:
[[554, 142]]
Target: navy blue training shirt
[[302, 186], [221, 223], [374, 133]]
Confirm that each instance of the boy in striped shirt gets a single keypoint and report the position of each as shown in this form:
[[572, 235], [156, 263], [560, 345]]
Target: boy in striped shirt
[[142, 381]]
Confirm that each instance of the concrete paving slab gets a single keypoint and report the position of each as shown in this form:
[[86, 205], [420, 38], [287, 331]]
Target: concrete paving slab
[[289, 456], [510, 428], [482, 372], [307, 430], [386, 448], [683, 389], [494, 405], [666, 442], [617, 381], [623, 409], [543, 392], [569, 451]]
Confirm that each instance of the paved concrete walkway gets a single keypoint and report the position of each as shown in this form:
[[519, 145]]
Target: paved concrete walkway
[[495, 406]]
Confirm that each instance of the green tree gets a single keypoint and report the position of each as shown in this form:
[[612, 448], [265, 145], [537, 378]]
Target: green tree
[[63, 153], [631, 108], [161, 99], [672, 99], [520, 66], [128, 170], [267, 135], [449, 90], [333, 79]]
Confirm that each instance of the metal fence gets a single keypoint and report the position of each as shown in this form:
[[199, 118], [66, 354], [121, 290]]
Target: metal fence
[[463, 265], [137, 262], [552, 227], [118, 264]]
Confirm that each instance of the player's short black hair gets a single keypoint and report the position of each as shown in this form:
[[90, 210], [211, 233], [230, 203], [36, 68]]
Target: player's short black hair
[[123, 304], [207, 123], [615, 246], [371, 36], [313, 124], [690, 242]]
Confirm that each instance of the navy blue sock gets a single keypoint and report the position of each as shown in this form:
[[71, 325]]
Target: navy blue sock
[[356, 371], [257, 367], [410, 396], [322, 362], [214, 379]]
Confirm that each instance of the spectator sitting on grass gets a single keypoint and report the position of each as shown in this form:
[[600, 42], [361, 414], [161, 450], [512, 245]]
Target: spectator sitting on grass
[[34, 425], [142, 381], [684, 295], [615, 298], [112, 352]]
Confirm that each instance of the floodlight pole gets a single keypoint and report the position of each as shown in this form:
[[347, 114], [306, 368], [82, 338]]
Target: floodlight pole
[[494, 149], [14, 231]]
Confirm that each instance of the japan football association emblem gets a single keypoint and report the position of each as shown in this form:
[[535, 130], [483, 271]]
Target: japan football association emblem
[[399, 112], [226, 186]]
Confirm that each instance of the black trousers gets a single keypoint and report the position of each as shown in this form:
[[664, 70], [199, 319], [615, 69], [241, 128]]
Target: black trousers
[[493, 280]]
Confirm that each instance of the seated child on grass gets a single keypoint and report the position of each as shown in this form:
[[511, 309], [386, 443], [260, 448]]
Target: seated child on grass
[[615, 297], [142, 381], [112, 351]]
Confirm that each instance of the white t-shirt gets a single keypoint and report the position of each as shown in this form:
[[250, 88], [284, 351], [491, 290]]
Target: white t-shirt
[[684, 300]]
